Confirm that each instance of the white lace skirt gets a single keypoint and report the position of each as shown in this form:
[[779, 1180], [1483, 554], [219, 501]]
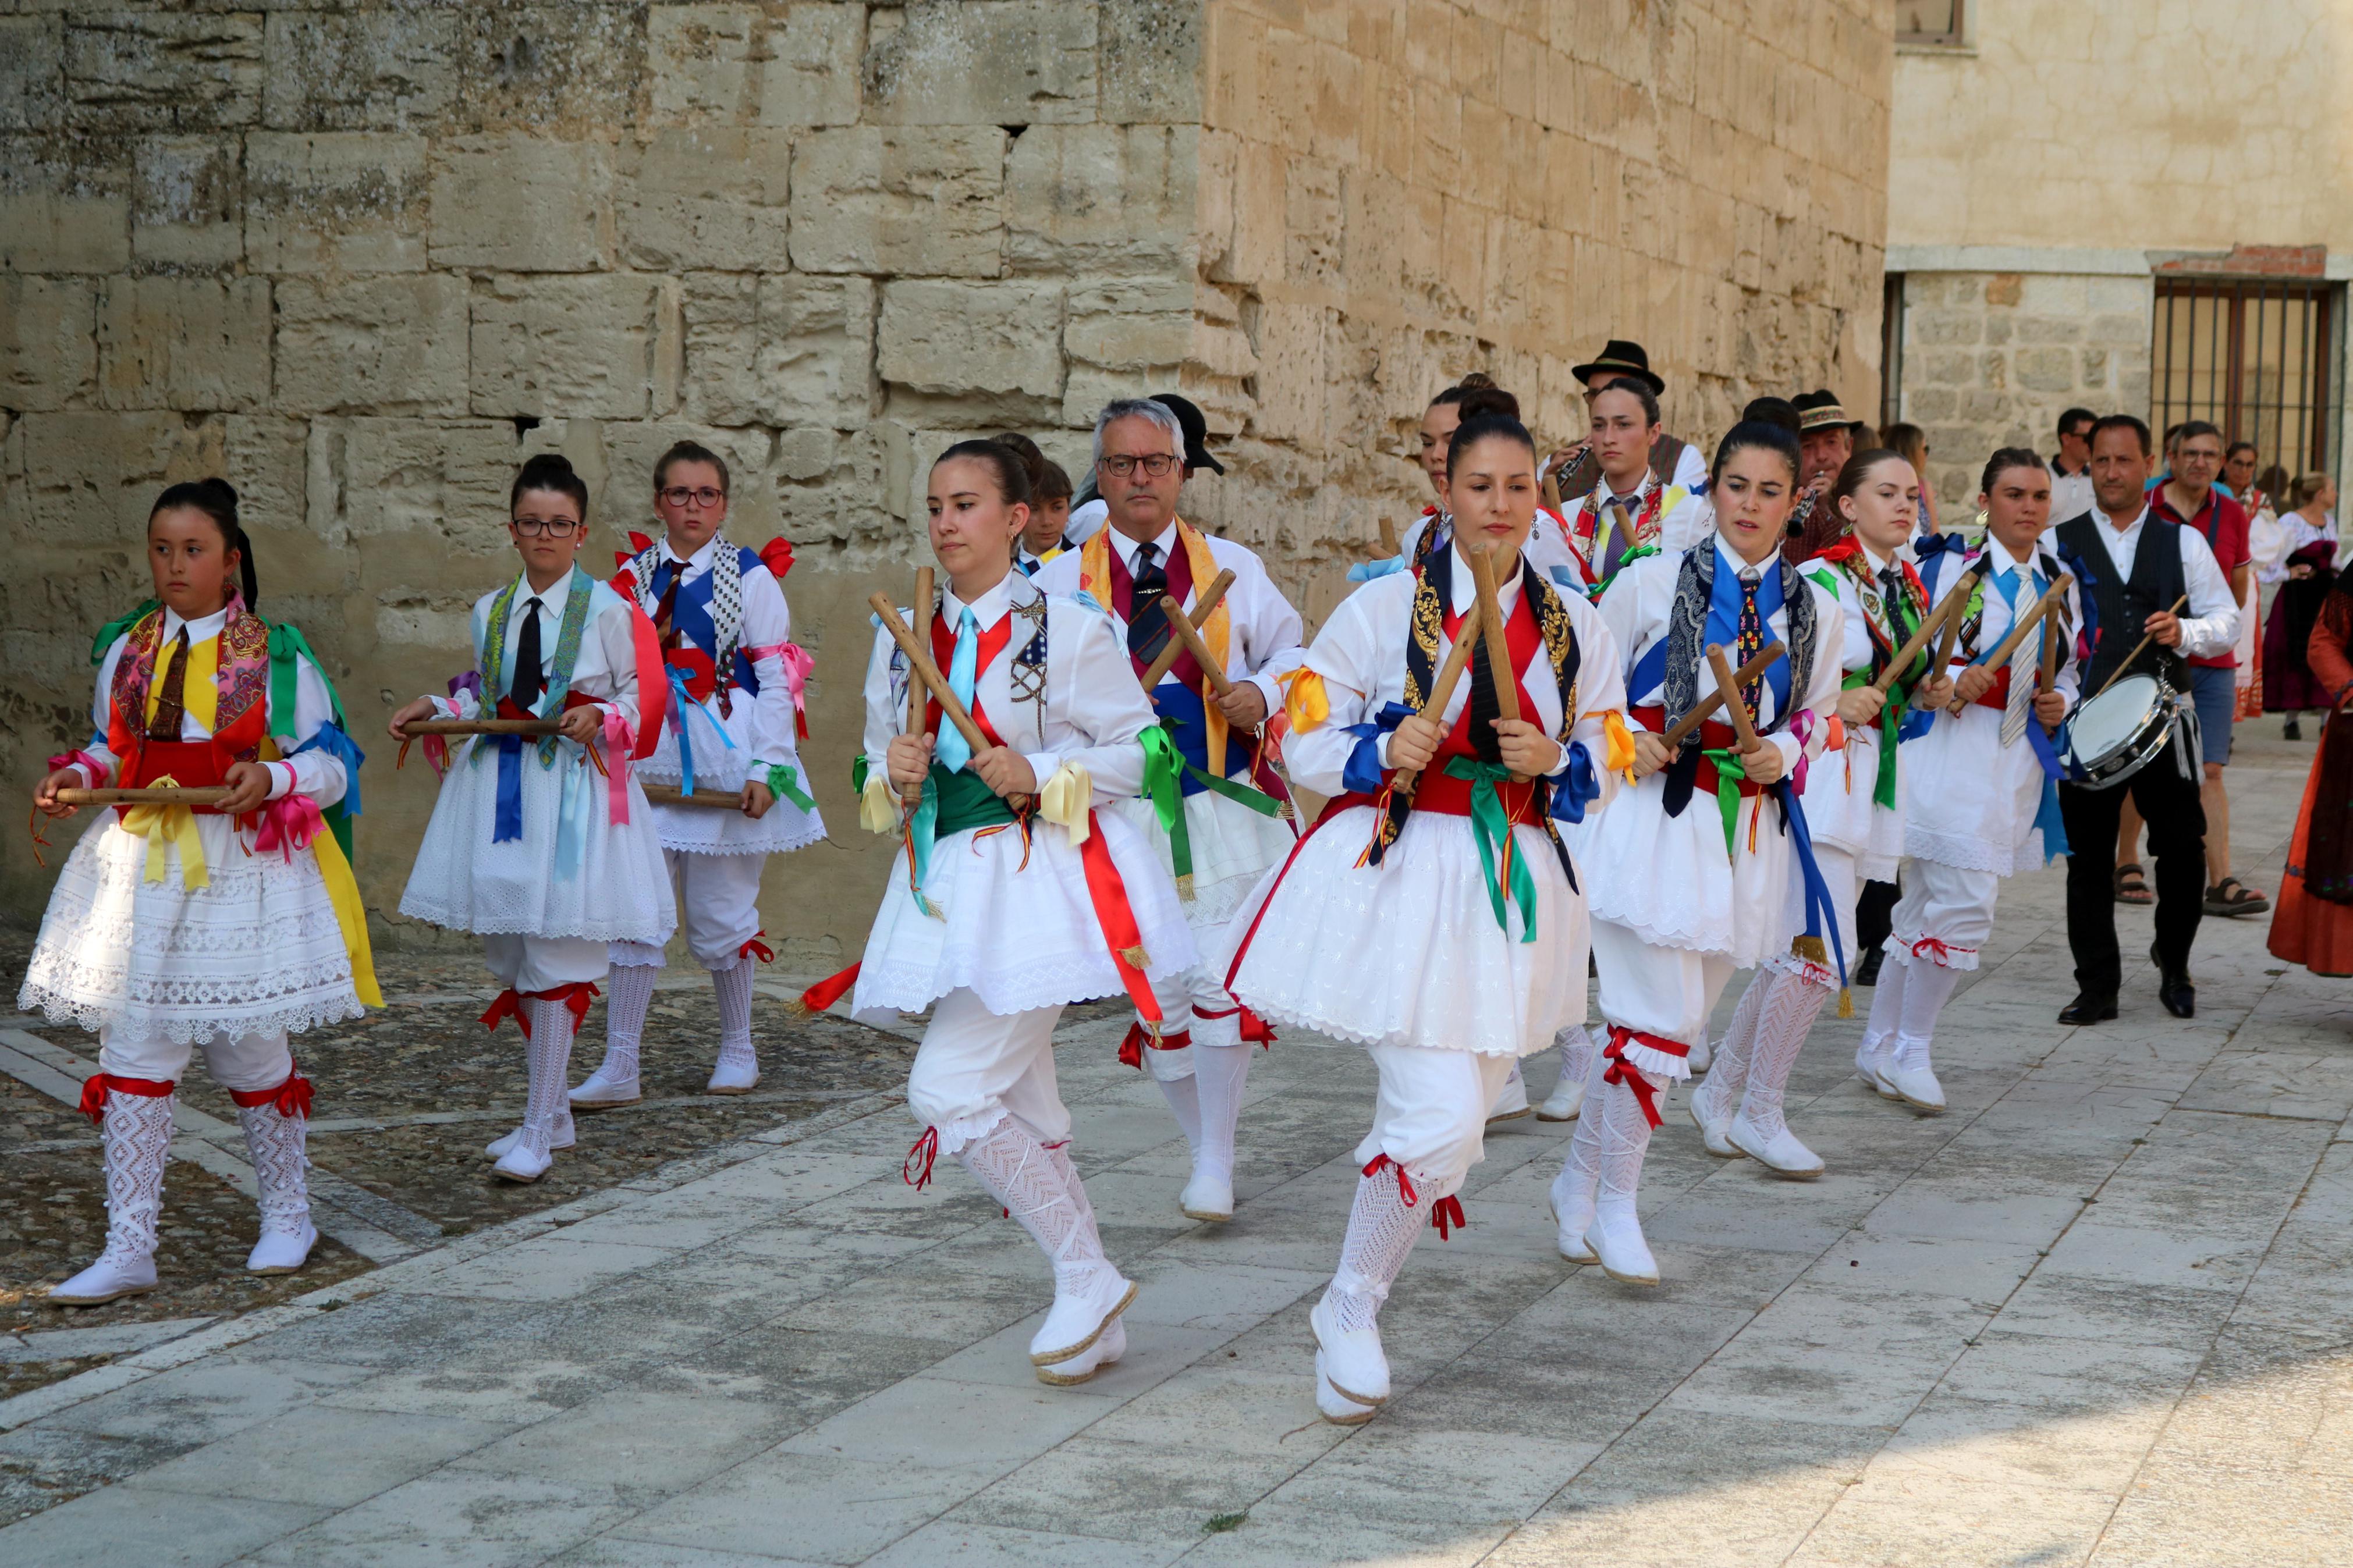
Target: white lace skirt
[[256, 952], [1018, 937], [706, 830], [1842, 813], [1408, 953], [1670, 881], [1970, 801], [1233, 847], [618, 891]]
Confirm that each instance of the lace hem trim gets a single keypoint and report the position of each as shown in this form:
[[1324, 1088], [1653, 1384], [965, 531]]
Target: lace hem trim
[[1338, 1031], [1966, 853], [178, 1028]]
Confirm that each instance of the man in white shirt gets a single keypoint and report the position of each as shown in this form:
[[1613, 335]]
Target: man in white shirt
[[2071, 466], [2134, 569]]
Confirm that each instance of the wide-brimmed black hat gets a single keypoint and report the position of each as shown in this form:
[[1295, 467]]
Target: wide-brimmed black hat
[[1823, 411], [1620, 357], [1196, 431]]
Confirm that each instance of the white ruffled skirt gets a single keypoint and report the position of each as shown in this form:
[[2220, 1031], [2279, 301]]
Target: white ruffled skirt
[[616, 888], [1019, 937], [1970, 801], [708, 830], [1408, 953], [1670, 881], [1232, 848], [1842, 813], [256, 952]]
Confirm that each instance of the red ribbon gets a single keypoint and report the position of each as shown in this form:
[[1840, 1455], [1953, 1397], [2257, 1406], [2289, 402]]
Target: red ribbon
[[825, 993], [291, 1098], [96, 1087], [777, 556], [1108, 893], [288, 822], [1446, 1214], [928, 1148], [1631, 1076], [754, 944], [618, 744], [575, 996], [1405, 1183], [1140, 1039], [1255, 1030], [1934, 949]]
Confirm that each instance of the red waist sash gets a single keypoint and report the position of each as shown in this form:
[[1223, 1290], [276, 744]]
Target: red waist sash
[[1713, 737]]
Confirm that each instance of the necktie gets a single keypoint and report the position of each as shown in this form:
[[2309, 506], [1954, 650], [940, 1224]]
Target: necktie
[[1147, 628], [529, 682], [953, 751], [1485, 709], [1622, 532], [1029, 564], [171, 697], [2024, 663], [1748, 645], [665, 611]]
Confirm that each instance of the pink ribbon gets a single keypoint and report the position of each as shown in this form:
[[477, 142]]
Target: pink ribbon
[[619, 741], [798, 666], [288, 822], [100, 773], [1802, 725]]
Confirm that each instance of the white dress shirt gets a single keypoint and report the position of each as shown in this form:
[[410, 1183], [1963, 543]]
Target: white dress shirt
[[2211, 626]]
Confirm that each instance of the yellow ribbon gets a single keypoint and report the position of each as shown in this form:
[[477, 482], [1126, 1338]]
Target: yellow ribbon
[[164, 824], [878, 807], [1617, 745], [349, 914], [1305, 701], [1067, 798]]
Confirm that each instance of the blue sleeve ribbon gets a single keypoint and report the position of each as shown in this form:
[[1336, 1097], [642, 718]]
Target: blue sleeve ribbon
[[1821, 915], [330, 739], [1369, 571], [1362, 775], [1577, 788], [682, 705]]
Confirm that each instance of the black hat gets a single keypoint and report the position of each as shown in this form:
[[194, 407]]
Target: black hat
[[1196, 431], [1822, 411], [1625, 359]]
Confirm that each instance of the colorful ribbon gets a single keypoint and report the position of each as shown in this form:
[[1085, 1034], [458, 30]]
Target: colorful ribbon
[[290, 822], [330, 739], [1491, 829], [1625, 1072], [99, 772], [686, 704], [291, 1098], [927, 1149], [785, 783], [1163, 767], [575, 996], [168, 825], [619, 740], [98, 1084]]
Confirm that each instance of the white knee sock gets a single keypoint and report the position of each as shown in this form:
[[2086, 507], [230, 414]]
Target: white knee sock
[[1729, 1071], [1887, 1003], [1382, 1230], [1029, 1183], [1219, 1076], [1924, 995], [1625, 1136], [733, 985], [278, 1144], [628, 992], [1577, 1049], [1183, 1095], [137, 1132], [1783, 1022], [548, 1054]]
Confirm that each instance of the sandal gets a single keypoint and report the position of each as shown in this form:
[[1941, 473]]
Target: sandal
[[2232, 896], [2134, 891]]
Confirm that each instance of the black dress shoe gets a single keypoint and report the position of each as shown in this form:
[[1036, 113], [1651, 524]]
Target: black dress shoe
[[2087, 1008], [2174, 988], [1867, 972]]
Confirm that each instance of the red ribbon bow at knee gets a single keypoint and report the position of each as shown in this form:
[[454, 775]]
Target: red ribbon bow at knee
[[291, 1098], [1933, 949], [575, 996], [1138, 1040], [1255, 1030], [755, 945], [1405, 1183], [1445, 1214], [927, 1149], [98, 1084], [1625, 1072]]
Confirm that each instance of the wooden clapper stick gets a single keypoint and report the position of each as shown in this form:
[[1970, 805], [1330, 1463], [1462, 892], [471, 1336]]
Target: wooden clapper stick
[[1165, 659], [210, 794], [1682, 728]]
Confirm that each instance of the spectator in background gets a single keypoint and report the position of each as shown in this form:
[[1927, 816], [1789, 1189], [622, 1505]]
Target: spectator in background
[[1825, 441], [2261, 499], [2238, 480], [1574, 471], [1092, 510], [1911, 442], [2165, 474], [1047, 534], [2071, 466], [2307, 575]]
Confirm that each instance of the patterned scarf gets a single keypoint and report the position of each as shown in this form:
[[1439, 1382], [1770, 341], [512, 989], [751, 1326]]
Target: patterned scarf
[[243, 682], [1687, 634], [726, 596]]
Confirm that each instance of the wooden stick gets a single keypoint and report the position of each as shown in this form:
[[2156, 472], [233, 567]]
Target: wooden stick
[[207, 795], [1185, 633], [1165, 659], [480, 726], [1389, 546], [919, 659], [2052, 597], [1726, 683], [670, 795], [1442, 692], [1491, 618], [1930, 624], [912, 797], [1682, 728], [2138, 648], [2050, 653], [1955, 615]]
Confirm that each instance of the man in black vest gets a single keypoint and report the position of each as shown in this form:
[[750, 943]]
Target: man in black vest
[[2135, 569], [1575, 470]]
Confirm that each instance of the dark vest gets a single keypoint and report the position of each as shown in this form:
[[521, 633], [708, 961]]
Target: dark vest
[[2119, 609]]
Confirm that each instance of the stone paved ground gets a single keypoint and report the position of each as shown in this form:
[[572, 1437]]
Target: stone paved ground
[[2101, 1312]]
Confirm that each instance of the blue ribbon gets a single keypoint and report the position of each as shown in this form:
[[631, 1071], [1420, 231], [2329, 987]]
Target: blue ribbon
[[1362, 773], [1371, 571], [578, 798], [508, 825], [1821, 915], [682, 705], [330, 739], [1577, 787]]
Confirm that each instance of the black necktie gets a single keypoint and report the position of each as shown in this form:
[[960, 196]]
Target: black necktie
[[666, 610], [1147, 628], [528, 681], [1484, 708], [171, 697]]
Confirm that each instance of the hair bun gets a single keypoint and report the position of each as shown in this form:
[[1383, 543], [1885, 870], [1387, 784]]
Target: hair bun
[[1773, 411], [1476, 381], [547, 463], [221, 487]]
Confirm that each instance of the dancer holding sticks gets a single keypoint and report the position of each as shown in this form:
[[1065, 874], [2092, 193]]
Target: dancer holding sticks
[[1433, 914], [1980, 800], [1212, 807], [1016, 895], [215, 908], [1689, 880], [542, 843], [733, 704], [1854, 804]]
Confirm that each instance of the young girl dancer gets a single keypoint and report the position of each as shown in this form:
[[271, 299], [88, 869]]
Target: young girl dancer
[[1439, 924], [226, 927], [1016, 897], [735, 679], [1853, 803], [1691, 871], [1979, 792], [545, 847]]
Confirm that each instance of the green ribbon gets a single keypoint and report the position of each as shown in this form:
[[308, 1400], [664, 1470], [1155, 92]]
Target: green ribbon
[[1258, 800], [1164, 766], [287, 647], [785, 781], [858, 776], [1729, 776], [1491, 829], [952, 801], [1890, 722], [117, 626]]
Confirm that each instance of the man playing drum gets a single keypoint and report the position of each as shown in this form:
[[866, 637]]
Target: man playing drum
[[1978, 803], [2137, 570]]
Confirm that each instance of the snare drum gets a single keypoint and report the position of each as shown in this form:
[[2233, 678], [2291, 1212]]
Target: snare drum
[[2120, 731]]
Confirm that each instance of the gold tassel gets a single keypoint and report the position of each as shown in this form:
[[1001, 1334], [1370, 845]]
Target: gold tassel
[[1846, 1001], [1810, 948], [796, 1008], [1135, 957], [1185, 887]]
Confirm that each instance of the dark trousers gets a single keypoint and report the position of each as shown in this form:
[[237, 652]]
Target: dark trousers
[[1874, 915], [2177, 843]]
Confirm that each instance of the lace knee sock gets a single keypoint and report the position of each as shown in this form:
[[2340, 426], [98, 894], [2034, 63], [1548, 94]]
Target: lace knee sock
[[548, 1054], [1785, 1018], [630, 991], [1624, 1136], [1029, 1183], [137, 1132], [1925, 992], [278, 1144], [1729, 1071], [1382, 1229], [1575, 1055], [734, 988]]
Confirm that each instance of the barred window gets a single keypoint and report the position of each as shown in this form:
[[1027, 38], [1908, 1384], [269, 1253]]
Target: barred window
[[2254, 355], [1929, 21]]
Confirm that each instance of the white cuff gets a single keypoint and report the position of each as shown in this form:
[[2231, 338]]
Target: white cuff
[[1043, 765], [282, 783]]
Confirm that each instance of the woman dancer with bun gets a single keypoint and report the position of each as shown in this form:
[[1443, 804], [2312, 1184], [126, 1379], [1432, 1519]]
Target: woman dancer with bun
[[1433, 914], [226, 926], [546, 846]]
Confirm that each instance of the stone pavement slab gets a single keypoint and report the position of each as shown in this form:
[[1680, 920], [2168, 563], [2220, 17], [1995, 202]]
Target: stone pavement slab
[[2099, 1312]]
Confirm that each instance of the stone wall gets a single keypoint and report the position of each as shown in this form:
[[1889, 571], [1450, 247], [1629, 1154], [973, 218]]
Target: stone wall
[[364, 257]]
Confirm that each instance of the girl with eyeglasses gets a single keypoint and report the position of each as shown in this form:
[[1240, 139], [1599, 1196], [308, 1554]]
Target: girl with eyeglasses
[[546, 846], [224, 926]]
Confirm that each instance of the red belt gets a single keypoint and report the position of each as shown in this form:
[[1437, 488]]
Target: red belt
[[1713, 736], [1442, 792], [191, 764]]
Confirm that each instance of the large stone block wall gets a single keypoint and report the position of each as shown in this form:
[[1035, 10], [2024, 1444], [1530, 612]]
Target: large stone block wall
[[365, 256]]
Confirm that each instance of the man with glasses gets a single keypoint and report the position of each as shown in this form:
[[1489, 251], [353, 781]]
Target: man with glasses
[[2071, 466], [1213, 802], [733, 729]]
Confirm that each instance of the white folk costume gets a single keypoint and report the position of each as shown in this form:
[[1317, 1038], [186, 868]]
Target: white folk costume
[[996, 917], [1691, 871], [1447, 935], [1854, 813], [734, 713], [1213, 808], [1548, 547], [174, 928], [1604, 526], [543, 847], [1982, 804]]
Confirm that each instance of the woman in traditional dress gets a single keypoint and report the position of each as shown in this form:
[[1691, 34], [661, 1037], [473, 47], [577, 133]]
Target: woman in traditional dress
[[226, 926], [2308, 570], [1015, 896], [544, 846], [1438, 924], [2314, 923], [1854, 809]]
